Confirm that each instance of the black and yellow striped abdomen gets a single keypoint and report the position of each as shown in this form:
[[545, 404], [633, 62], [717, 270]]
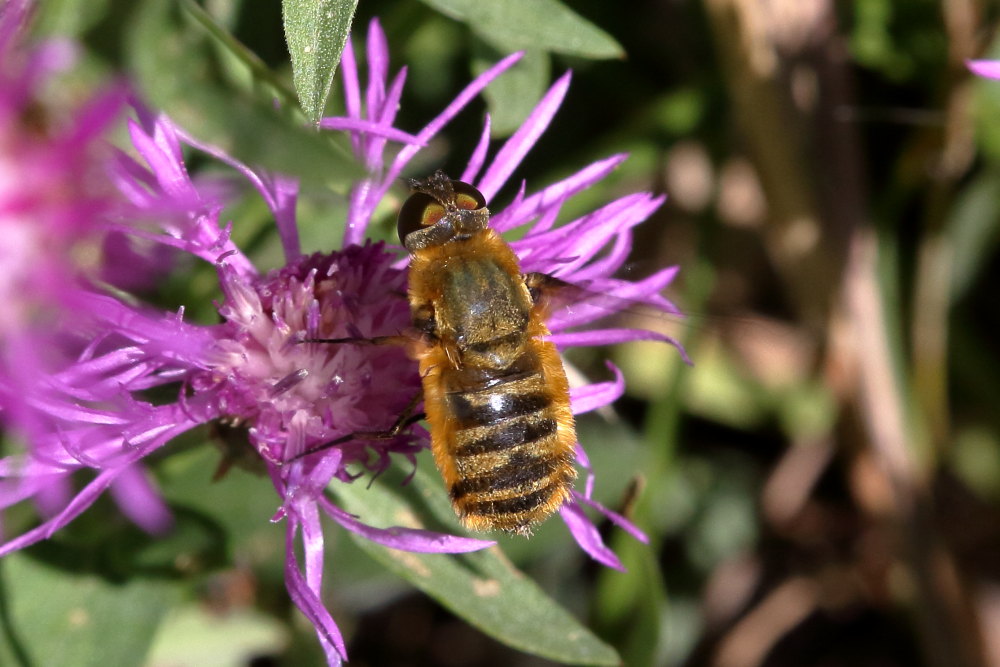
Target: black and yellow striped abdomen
[[505, 445], [514, 462], [495, 392]]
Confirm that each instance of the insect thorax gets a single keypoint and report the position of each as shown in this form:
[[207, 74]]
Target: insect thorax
[[484, 309]]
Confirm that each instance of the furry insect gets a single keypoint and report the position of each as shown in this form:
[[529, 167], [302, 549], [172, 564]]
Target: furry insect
[[495, 392]]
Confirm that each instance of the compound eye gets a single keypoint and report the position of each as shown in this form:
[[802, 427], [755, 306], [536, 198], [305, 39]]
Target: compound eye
[[420, 210], [467, 197]]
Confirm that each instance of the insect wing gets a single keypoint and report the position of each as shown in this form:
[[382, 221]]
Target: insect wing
[[568, 304]]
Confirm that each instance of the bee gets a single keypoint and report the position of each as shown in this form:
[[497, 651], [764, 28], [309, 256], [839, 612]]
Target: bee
[[494, 389]]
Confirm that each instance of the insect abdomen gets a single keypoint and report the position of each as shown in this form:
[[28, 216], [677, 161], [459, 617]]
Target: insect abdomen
[[511, 444]]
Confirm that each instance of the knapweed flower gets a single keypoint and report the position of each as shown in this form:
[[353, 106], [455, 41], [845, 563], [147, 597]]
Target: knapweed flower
[[253, 369]]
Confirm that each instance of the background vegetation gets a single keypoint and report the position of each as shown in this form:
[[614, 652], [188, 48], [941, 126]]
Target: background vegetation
[[821, 487]]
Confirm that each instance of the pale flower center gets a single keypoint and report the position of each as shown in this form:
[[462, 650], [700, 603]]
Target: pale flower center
[[295, 394]]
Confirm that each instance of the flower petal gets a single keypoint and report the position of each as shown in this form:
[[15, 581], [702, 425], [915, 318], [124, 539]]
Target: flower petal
[[593, 396], [986, 68], [366, 196], [378, 65], [587, 536], [364, 126], [613, 517], [610, 337], [521, 142], [310, 604], [521, 212], [406, 539], [478, 154], [83, 499], [139, 501]]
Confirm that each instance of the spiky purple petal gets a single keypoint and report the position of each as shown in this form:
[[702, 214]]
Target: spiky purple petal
[[592, 396], [478, 156], [588, 537], [405, 539], [522, 141]]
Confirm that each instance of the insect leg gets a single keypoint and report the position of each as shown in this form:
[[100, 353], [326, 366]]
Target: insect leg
[[536, 279], [406, 418], [542, 285], [374, 340], [413, 340]]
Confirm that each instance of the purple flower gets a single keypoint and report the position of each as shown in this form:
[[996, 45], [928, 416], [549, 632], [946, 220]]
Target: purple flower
[[51, 199], [56, 208], [90, 411]]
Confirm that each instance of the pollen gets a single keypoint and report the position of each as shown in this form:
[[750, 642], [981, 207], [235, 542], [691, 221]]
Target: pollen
[[314, 392]]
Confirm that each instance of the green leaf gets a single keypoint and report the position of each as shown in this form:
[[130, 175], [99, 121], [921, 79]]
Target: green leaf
[[544, 25], [68, 18], [483, 588], [195, 634], [316, 31], [51, 617], [515, 92], [109, 546], [258, 69], [631, 604], [221, 95], [241, 503], [973, 230]]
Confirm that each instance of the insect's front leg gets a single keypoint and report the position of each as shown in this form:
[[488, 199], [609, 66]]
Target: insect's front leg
[[543, 287], [539, 283], [415, 340], [407, 417], [424, 320], [400, 339]]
